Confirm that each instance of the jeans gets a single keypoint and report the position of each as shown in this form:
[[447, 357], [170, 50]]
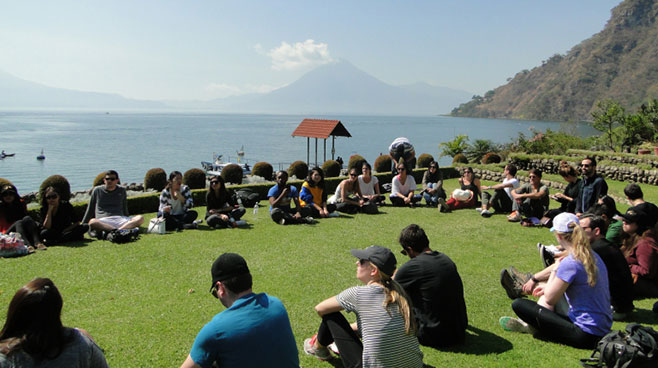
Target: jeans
[[433, 199]]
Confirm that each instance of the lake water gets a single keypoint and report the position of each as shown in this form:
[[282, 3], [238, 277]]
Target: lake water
[[80, 145]]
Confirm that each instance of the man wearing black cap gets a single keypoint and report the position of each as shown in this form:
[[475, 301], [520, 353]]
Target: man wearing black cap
[[254, 330], [435, 289]]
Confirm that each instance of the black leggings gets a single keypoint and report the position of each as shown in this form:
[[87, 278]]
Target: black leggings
[[182, 221], [335, 328], [28, 229], [51, 236], [216, 220], [553, 326]]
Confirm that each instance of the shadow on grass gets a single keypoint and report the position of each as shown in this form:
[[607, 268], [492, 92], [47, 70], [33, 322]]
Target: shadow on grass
[[75, 244], [481, 342], [643, 316]]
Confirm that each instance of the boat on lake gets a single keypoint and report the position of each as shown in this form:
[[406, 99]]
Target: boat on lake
[[3, 154], [218, 164], [41, 156]]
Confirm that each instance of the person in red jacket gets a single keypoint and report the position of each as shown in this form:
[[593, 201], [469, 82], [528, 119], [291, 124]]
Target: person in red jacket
[[641, 250]]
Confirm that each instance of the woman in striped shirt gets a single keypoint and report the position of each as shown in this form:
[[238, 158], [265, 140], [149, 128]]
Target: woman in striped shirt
[[384, 318]]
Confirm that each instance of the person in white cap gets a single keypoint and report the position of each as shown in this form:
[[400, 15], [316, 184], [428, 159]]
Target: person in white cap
[[582, 278]]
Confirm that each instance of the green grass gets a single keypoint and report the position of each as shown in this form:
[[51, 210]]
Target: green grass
[[144, 302]]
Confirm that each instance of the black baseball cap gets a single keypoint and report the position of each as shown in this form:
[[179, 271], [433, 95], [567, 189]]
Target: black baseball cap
[[381, 257], [226, 266]]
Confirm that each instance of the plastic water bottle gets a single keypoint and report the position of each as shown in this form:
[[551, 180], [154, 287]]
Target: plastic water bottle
[[256, 209]]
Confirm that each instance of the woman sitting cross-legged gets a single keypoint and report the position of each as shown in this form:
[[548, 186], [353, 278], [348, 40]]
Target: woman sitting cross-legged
[[221, 209], [60, 223], [640, 248], [348, 197], [369, 184], [14, 218], [175, 203], [433, 185], [384, 316], [313, 196], [33, 334], [403, 187], [582, 279], [466, 196]]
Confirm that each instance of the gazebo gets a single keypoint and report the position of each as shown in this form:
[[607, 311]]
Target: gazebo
[[322, 129]]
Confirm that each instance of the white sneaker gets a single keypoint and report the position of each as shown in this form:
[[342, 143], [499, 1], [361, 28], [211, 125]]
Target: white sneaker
[[515, 325], [333, 348], [479, 209]]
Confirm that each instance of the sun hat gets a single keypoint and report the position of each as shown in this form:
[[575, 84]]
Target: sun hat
[[562, 221], [381, 257], [226, 266]]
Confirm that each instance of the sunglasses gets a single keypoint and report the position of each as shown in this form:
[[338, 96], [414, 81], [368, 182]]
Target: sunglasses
[[468, 172], [213, 291], [214, 182], [363, 261], [52, 196], [352, 174], [401, 169], [110, 178], [434, 167], [403, 252]]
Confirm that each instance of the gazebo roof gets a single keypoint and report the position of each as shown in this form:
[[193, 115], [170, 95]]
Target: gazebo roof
[[317, 128]]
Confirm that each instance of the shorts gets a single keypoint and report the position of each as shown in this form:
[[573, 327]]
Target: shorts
[[115, 221]]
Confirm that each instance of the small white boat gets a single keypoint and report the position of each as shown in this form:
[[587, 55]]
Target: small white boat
[[4, 154], [41, 156], [215, 168]]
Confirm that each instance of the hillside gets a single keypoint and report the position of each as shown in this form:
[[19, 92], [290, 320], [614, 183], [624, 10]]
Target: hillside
[[619, 63]]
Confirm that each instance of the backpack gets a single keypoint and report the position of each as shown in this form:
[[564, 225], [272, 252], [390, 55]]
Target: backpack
[[122, 236], [246, 197], [637, 347]]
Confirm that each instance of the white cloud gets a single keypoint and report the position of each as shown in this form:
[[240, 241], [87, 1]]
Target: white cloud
[[299, 55], [219, 90]]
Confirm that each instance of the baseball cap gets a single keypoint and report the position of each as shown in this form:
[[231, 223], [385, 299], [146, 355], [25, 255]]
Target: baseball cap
[[562, 221], [226, 266], [634, 216], [381, 257]]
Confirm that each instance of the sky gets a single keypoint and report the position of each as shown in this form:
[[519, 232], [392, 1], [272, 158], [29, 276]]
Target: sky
[[206, 49]]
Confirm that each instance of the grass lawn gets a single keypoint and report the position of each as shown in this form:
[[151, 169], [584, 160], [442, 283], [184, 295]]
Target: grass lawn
[[144, 302]]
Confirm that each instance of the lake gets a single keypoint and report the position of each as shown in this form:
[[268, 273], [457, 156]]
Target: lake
[[80, 145]]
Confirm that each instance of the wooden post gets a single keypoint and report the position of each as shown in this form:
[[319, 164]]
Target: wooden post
[[308, 153], [333, 150], [325, 150], [316, 152]]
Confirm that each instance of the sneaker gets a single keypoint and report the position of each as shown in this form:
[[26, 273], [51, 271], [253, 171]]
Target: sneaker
[[514, 325], [513, 288], [514, 217], [308, 220], [310, 349], [282, 221], [41, 246], [547, 258], [519, 276], [486, 213], [333, 348], [443, 206], [334, 214], [240, 223], [479, 209]]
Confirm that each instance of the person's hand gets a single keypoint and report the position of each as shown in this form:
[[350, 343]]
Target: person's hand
[[324, 212], [529, 286], [285, 191], [51, 207], [407, 200], [361, 202], [297, 215], [167, 209], [538, 291], [223, 216], [635, 277]]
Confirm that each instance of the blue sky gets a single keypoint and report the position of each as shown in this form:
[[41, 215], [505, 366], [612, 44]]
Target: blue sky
[[208, 49]]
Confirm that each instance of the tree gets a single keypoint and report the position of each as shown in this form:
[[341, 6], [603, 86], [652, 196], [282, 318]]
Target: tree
[[649, 114], [609, 115], [455, 146], [635, 129], [479, 148]]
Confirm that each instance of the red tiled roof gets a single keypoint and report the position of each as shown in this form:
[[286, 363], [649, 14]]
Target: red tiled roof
[[316, 128]]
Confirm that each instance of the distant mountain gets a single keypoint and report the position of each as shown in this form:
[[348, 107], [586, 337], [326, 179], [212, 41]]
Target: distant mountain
[[342, 88], [619, 63], [21, 94]]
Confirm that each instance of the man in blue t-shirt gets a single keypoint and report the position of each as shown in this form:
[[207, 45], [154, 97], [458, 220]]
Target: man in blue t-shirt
[[280, 197], [254, 330]]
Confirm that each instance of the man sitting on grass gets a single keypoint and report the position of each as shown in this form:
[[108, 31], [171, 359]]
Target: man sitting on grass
[[280, 196], [635, 197], [108, 208], [254, 330], [435, 288], [502, 199], [593, 187], [531, 199]]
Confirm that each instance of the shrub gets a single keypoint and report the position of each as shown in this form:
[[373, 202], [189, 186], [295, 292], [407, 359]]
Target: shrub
[[195, 178], [99, 179], [491, 158], [4, 182], [155, 178], [383, 163], [60, 184], [424, 160], [263, 169], [298, 169], [459, 158], [331, 168], [355, 161], [232, 173]]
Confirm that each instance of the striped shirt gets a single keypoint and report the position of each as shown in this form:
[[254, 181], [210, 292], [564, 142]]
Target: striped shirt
[[385, 343], [166, 200]]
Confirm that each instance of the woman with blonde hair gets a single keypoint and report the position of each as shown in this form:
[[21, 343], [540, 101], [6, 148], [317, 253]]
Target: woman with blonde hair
[[384, 316], [582, 279]]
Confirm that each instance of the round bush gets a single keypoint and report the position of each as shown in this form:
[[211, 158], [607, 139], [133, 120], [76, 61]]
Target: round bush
[[4, 182], [331, 168], [195, 178], [355, 161], [298, 169], [383, 163], [491, 158], [99, 179], [263, 169], [459, 158], [155, 178], [424, 160], [232, 174], [60, 184]]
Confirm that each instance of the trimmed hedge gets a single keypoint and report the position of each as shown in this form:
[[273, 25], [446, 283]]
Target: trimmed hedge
[[155, 178], [60, 184], [263, 169], [195, 178], [383, 163], [331, 168], [232, 173], [298, 169], [355, 161], [424, 160], [491, 158], [98, 180], [459, 158]]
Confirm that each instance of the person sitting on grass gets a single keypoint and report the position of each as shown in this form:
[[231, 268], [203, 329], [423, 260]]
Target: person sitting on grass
[[466, 196], [60, 223], [14, 218], [635, 198], [348, 197], [384, 315], [640, 247], [280, 196], [108, 208], [250, 320], [176, 203], [433, 185], [607, 208], [369, 184], [313, 195], [403, 187], [221, 209], [593, 187], [501, 201], [582, 278], [33, 334], [569, 198], [435, 289], [530, 200]]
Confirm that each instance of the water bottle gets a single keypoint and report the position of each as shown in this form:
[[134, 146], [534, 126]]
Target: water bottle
[[256, 209]]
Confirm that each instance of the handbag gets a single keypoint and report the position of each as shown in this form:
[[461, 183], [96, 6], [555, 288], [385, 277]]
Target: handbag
[[156, 226], [12, 245]]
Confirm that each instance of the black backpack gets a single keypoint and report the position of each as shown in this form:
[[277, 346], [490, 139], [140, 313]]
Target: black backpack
[[637, 347], [122, 236], [246, 197]]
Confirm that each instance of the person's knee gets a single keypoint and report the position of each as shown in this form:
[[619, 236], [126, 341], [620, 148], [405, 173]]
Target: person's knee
[[138, 220]]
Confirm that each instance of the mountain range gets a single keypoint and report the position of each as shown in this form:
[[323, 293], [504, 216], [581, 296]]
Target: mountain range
[[333, 88], [618, 63]]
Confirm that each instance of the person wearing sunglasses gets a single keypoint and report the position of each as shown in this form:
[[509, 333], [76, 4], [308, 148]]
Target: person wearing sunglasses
[[530, 200], [348, 197], [60, 223], [464, 197], [14, 218], [369, 184], [108, 208], [253, 331], [280, 196], [403, 187], [593, 187], [433, 185], [176, 204], [501, 200], [222, 210]]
